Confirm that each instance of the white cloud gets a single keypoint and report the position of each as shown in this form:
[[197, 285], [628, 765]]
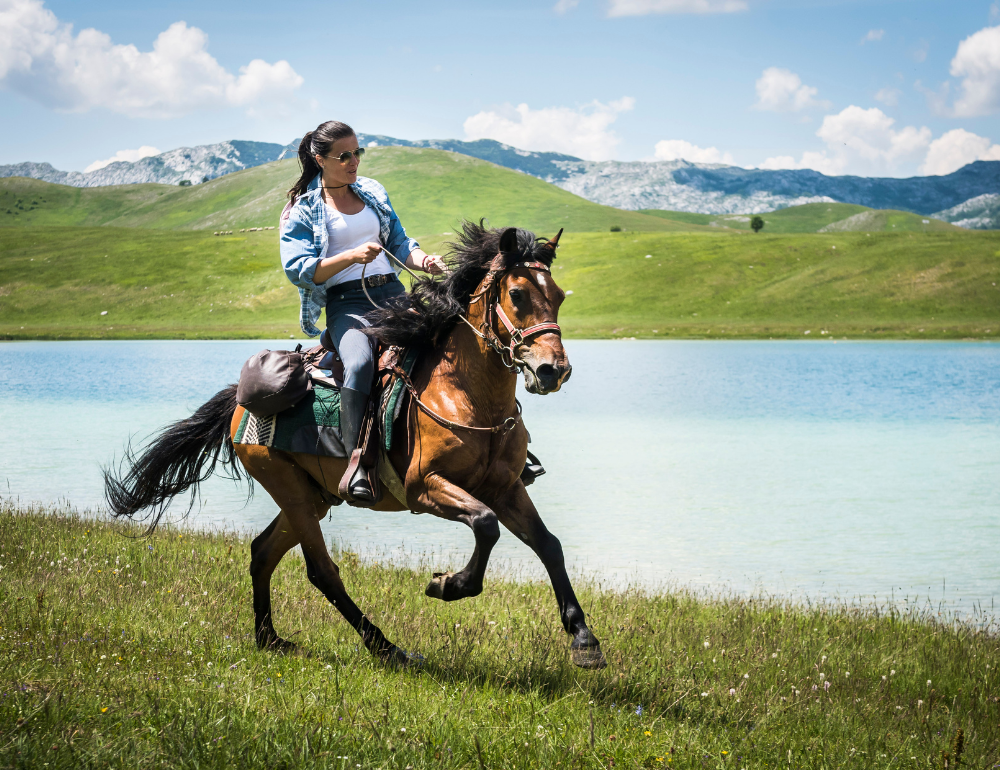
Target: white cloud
[[860, 141], [42, 59], [956, 148], [646, 7], [781, 90], [873, 36], [583, 132], [129, 156], [977, 62], [888, 96], [678, 149], [564, 6]]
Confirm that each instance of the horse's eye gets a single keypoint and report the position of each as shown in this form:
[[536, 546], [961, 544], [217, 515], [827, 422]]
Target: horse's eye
[[516, 295]]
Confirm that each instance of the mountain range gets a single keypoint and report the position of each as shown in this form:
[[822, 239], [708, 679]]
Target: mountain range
[[969, 197]]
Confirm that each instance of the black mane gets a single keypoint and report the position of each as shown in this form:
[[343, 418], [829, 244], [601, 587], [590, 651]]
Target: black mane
[[424, 316]]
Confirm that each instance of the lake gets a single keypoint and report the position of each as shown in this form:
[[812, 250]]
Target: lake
[[829, 470]]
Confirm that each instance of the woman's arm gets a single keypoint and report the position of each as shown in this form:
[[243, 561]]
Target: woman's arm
[[429, 263], [330, 266]]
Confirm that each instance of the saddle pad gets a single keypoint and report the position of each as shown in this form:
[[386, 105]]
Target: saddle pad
[[312, 426], [392, 401]]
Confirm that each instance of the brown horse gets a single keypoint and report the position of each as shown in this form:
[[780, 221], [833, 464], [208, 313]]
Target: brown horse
[[459, 453]]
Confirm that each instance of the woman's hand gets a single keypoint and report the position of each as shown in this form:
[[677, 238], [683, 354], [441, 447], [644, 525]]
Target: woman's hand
[[365, 253], [434, 264]]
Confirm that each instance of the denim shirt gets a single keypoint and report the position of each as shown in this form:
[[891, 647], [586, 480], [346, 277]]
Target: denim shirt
[[304, 242]]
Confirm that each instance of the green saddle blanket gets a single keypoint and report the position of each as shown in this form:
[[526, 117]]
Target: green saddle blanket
[[312, 426]]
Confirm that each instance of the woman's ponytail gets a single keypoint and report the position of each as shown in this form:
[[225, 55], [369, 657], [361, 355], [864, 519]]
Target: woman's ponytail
[[315, 143]]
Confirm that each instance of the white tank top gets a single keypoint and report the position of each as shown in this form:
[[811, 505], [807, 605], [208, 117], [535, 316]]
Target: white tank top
[[347, 231]]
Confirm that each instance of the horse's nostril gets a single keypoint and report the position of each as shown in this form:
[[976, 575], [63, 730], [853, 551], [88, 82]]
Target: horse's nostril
[[546, 371]]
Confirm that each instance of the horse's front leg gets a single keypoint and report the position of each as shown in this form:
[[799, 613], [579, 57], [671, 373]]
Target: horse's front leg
[[444, 499], [518, 514]]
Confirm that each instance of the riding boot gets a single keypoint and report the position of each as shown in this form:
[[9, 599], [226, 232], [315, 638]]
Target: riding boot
[[352, 411], [532, 470]]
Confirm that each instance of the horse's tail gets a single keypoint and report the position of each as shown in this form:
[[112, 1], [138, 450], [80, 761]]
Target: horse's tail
[[179, 458]]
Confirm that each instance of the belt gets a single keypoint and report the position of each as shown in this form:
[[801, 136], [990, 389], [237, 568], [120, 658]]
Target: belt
[[371, 282]]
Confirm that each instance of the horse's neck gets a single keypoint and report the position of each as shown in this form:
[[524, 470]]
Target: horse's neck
[[489, 386]]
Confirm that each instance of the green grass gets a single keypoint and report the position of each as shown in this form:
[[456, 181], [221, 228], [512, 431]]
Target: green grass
[[120, 652], [854, 285], [432, 192], [55, 282], [812, 217]]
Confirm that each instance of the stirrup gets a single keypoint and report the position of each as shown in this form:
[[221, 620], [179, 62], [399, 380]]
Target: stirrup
[[356, 486], [532, 470]]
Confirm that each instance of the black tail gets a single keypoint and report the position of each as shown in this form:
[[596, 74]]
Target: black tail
[[181, 457]]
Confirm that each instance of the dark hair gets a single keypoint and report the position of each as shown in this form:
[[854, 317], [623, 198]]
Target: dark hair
[[423, 316], [317, 142]]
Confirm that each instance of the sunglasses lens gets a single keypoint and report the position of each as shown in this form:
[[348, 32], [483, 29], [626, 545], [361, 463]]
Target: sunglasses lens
[[359, 153]]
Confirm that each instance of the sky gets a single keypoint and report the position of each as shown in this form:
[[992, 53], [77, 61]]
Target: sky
[[870, 87]]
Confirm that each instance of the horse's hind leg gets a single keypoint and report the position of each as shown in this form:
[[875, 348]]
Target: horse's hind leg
[[325, 575], [518, 514], [265, 553]]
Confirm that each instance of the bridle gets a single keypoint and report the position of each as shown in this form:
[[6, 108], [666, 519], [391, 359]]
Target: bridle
[[489, 292]]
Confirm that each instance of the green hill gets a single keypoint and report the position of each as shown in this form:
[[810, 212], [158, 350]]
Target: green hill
[[56, 282], [432, 191], [815, 217], [145, 256]]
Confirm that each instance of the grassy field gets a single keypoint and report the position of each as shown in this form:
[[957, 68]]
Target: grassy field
[[812, 217], [122, 652], [57, 282]]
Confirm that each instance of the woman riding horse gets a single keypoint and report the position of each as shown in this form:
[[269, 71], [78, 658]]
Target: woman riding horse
[[333, 231]]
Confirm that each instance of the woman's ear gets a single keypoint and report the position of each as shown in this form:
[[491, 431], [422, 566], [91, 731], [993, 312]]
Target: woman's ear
[[319, 161]]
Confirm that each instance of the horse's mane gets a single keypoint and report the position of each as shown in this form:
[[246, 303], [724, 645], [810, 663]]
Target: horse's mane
[[423, 316]]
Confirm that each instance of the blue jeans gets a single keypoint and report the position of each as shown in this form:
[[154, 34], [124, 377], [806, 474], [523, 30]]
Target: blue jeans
[[345, 317]]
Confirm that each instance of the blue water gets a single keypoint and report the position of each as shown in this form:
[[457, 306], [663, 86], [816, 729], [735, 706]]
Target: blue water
[[803, 469]]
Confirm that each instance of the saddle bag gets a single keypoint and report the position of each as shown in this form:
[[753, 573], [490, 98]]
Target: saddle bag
[[272, 381]]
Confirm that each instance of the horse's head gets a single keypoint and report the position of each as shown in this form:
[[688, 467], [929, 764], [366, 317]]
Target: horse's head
[[528, 301]]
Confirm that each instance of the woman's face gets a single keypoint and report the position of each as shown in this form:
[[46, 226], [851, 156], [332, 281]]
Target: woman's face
[[336, 173]]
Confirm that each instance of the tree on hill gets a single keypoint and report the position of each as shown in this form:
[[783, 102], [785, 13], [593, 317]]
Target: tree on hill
[[757, 224]]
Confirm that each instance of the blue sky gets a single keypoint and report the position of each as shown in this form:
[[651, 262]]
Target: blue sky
[[878, 87]]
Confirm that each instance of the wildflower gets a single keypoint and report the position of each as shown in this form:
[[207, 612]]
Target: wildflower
[[920, 703], [928, 682], [826, 685], [402, 729], [822, 676], [143, 583], [823, 659], [746, 676], [204, 593], [892, 673], [815, 688], [884, 677], [732, 691], [774, 655], [704, 695], [103, 710], [647, 732], [724, 753], [638, 711], [707, 645], [847, 673]]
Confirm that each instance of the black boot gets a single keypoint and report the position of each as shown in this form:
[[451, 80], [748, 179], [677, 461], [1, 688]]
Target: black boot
[[532, 470], [352, 411]]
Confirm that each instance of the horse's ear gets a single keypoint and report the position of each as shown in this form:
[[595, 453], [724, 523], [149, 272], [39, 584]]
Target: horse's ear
[[554, 243], [508, 242]]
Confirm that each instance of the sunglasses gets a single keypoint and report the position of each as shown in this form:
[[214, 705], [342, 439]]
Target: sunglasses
[[345, 157]]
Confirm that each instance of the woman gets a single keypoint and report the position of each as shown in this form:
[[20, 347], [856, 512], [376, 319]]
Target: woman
[[335, 225]]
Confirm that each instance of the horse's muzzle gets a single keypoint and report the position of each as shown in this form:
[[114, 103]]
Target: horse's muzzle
[[546, 378]]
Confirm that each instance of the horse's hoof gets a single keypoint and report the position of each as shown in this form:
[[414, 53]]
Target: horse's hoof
[[589, 657], [402, 659], [435, 589]]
